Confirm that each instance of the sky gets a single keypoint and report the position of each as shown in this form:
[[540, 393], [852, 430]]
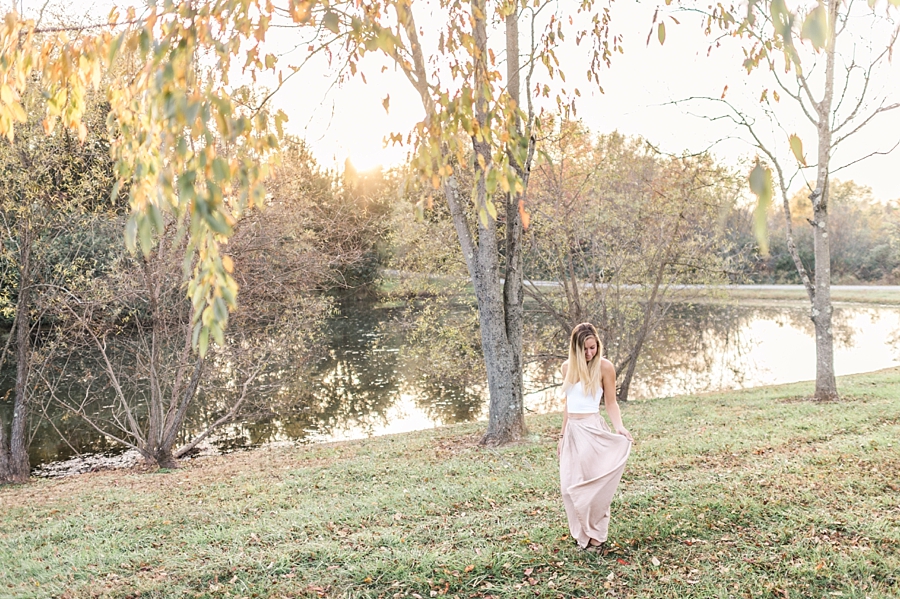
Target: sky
[[642, 89]]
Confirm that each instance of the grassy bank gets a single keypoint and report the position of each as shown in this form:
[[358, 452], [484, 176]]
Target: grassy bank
[[877, 294], [838, 294], [745, 494]]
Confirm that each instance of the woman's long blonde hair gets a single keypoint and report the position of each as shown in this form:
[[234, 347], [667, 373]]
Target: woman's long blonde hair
[[580, 370]]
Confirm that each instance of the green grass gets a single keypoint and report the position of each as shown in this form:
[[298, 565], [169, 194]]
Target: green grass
[[864, 296], [759, 493]]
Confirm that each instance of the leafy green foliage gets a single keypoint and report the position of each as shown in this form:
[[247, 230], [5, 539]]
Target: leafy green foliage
[[184, 140], [54, 193]]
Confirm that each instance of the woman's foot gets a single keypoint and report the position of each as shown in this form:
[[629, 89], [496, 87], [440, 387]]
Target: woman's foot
[[595, 545]]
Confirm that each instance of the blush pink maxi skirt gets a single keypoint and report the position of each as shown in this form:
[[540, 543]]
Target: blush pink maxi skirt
[[591, 462]]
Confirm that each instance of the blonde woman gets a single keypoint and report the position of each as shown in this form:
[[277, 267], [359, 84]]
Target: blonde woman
[[591, 457]]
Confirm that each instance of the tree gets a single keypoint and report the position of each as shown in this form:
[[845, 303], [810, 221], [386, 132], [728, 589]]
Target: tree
[[837, 92], [473, 114], [184, 139], [190, 151], [623, 230], [47, 183], [128, 333]]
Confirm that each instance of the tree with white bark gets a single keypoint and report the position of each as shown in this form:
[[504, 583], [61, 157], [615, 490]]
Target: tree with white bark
[[824, 60]]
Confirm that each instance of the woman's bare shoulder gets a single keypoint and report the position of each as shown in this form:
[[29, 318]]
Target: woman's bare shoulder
[[607, 367], [564, 368]]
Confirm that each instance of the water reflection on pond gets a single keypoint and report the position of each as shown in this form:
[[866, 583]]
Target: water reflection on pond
[[369, 379], [749, 346]]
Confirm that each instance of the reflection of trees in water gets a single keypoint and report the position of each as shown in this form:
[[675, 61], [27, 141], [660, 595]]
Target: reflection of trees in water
[[441, 360], [702, 347], [687, 354], [841, 321], [353, 382], [56, 434], [366, 357], [78, 381], [371, 356], [706, 347]]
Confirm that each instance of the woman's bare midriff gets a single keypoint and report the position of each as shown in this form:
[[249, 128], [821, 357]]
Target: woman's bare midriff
[[579, 416]]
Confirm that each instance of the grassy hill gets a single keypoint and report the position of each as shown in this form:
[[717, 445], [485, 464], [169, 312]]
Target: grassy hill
[[757, 493]]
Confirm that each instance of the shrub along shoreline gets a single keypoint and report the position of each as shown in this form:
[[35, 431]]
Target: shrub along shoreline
[[755, 493]]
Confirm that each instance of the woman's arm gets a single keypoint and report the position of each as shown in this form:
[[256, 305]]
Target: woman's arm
[[608, 374], [564, 368]]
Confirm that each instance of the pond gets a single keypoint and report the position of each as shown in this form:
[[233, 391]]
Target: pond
[[368, 380]]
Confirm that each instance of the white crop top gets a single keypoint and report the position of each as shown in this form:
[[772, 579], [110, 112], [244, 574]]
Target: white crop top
[[578, 402]]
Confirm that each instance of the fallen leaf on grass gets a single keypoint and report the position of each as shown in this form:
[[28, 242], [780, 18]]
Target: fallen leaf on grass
[[469, 568], [621, 561], [654, 561]]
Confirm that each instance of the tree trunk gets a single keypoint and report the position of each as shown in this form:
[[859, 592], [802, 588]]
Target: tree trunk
[[649, 309], [503, 361], [176, 418], [14, 465], [164, 458], [826, 385], [500, 310], [501, 314]]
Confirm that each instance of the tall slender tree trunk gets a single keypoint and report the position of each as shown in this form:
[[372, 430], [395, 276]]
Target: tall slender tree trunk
[[500, 299], [826, 384], [14, 465], [499, 304], [821, 313]]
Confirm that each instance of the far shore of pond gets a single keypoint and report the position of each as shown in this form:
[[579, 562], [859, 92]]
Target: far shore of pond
[[865, 294]]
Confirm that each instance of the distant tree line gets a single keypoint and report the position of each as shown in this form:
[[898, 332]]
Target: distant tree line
[[864, 233]]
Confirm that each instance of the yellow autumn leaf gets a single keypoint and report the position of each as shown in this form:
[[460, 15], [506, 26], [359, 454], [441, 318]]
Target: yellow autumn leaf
[[797, 148]]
